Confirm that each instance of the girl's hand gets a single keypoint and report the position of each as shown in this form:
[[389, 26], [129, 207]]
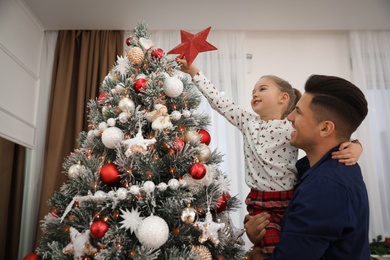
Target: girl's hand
[[192, 70], [348, 153]]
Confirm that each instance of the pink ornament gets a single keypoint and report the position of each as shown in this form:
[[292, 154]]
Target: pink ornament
[[197, 171], [157, 53], [98, 229], [204, 136], [109, 174], [140, 85]]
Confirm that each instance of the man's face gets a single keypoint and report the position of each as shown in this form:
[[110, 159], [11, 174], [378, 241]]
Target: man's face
[[306, 129]]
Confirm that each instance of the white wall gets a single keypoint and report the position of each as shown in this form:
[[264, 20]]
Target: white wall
[[294, 56], [21, 102], [21, 40]]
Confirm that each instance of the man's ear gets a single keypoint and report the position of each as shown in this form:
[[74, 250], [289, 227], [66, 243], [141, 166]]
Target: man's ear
[[327, 128]]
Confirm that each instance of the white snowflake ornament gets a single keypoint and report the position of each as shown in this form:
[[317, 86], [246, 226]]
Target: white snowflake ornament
[[131, 220], [122, 65]]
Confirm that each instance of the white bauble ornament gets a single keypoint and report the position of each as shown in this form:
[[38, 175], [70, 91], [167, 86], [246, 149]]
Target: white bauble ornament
[[127, 105], [149, 186], [121, 193], [175, 115], [123, 117], [111, 122], [102, 126], [173, 184], [186, 113], [173, 87], [96, 132], [119, 89], [74, 171], [100, 194], [153, 232], [90, 134], [134, 189], [111, 137], [162, 186], [111, 194]]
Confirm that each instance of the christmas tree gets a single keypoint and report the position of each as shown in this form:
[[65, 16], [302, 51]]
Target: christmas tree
[[143, 183]]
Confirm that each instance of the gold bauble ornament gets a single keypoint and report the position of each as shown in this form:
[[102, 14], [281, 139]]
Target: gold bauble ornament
[[203, 154], [188, 215], [192, 137], [135, 55]]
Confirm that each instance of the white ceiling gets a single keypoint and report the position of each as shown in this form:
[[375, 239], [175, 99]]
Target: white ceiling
[[220, 14]]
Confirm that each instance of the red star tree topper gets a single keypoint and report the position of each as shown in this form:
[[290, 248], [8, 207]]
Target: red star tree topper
[[192, 44]]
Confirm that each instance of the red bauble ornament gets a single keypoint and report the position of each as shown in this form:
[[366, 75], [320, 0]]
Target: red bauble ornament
[[102, 97], [139, 85], [157, 53], [222, 202], [98, 229], [197, 171], [128, 41], [31, 256], [109, 174], [204, 136], [177, 144]]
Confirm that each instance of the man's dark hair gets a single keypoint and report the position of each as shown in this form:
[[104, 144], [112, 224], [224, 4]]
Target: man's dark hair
[[337, 100]]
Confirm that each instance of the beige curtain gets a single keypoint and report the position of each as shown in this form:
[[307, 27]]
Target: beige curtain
[[12, 157], [82, 60]]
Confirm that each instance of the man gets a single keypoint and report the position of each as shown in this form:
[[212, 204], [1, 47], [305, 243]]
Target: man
[[328, 216]]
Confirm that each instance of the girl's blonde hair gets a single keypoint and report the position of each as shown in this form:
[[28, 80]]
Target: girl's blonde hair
[[285, 86]]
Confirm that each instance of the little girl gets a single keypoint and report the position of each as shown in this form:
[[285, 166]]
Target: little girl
[[270, 170]]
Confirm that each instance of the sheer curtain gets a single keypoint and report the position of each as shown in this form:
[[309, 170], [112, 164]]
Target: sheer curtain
[[34, 157], [370, 53], [226, 68]]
